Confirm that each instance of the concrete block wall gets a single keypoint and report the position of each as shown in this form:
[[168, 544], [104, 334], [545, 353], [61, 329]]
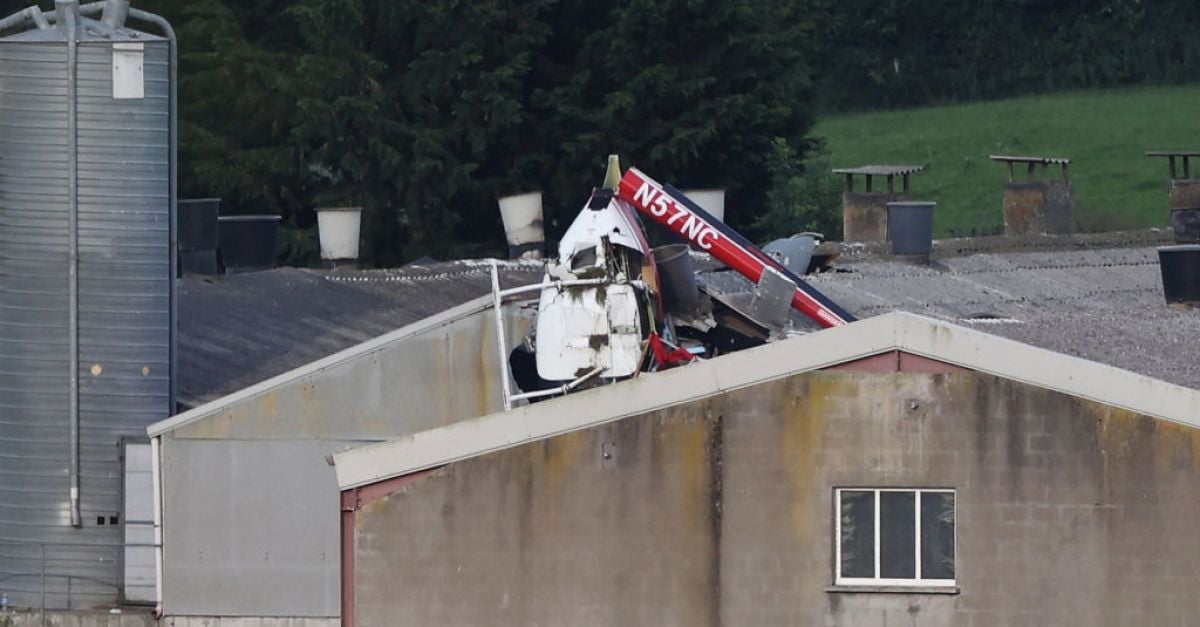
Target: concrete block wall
[[1064, 507], [611, 526], [721, 513]]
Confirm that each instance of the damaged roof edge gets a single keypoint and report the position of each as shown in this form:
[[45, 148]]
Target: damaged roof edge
[[918, 335], [417, 328]]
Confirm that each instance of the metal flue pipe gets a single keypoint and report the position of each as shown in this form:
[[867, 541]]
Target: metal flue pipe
[[115, 12], [67, 12], [24, 15], [43, 19]]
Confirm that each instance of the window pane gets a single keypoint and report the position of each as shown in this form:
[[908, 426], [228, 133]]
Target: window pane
[[858, 533], [937, 535], [897, 535]]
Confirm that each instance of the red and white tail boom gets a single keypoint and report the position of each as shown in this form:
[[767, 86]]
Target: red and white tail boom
[[672, 209]]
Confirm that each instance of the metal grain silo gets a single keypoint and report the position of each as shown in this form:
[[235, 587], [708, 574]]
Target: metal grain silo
[[87, 145]]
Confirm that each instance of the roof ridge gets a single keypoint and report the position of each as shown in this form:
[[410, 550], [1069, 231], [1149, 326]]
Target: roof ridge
[[919, 335]]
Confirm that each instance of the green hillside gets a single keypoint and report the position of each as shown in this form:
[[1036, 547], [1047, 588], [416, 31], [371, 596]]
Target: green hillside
[[1104, 133]]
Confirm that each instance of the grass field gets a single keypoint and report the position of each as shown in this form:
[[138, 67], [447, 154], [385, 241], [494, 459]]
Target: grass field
[[1104, 133]]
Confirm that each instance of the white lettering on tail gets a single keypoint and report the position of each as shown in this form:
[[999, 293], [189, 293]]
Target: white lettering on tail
[[679, 214], [645, 193], [660, 205], [692, 228]]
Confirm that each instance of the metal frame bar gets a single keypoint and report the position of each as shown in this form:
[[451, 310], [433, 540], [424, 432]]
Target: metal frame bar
[[502, 350], [563, 389], [512, 291]]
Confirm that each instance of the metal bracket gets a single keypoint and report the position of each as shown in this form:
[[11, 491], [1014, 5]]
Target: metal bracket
[[772, 302]]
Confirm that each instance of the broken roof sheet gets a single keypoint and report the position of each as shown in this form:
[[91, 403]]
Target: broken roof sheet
[[239, 329]]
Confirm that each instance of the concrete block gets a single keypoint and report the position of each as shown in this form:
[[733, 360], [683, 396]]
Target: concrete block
[[864, 215], [1034, 207], [1183, 194]]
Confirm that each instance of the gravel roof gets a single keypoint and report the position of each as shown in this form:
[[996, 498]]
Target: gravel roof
[[1098, 297]]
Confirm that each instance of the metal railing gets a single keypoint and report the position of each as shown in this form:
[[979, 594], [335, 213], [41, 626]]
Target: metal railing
[[41, 576]]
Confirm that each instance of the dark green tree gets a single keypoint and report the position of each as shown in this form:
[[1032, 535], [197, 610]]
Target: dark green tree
[[804, 196], [236, 112], [692, 92]]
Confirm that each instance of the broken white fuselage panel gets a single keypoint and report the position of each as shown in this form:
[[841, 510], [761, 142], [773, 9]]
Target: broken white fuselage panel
[[595, 310]]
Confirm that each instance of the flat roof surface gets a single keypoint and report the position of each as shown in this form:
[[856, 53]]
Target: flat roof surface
[[1098, 297]]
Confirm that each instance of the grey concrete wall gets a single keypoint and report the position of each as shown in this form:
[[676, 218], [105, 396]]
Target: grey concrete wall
[[721, 513], [251, 524]]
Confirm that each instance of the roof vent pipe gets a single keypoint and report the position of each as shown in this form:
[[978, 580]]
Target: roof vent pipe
[[64, 7], [522, 216], [677, 275], [115, 12], [338, 229]]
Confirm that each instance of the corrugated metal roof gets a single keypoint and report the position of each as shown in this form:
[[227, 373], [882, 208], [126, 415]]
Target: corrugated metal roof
[[1084, 296], [239, 329], [881, 170]]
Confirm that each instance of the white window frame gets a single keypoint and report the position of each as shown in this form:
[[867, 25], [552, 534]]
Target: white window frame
[[881, 581]]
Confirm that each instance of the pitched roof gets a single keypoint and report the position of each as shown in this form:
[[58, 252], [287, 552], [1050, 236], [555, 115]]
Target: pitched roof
[[237, 330], [910, 333]]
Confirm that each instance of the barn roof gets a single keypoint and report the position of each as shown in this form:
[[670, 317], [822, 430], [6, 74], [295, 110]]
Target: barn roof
[[239, 329]]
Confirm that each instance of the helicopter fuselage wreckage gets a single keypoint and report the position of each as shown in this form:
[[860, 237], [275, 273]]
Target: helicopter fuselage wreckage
[[609, 306]]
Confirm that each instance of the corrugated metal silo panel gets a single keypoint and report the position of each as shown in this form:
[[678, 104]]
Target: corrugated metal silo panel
[[124, 300]]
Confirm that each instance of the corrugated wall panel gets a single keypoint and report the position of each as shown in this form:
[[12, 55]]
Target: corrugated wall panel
[[124, 309]]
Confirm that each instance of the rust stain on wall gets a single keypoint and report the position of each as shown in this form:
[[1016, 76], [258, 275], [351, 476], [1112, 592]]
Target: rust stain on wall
[[807, 407], [692, 436], [561, 455]]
